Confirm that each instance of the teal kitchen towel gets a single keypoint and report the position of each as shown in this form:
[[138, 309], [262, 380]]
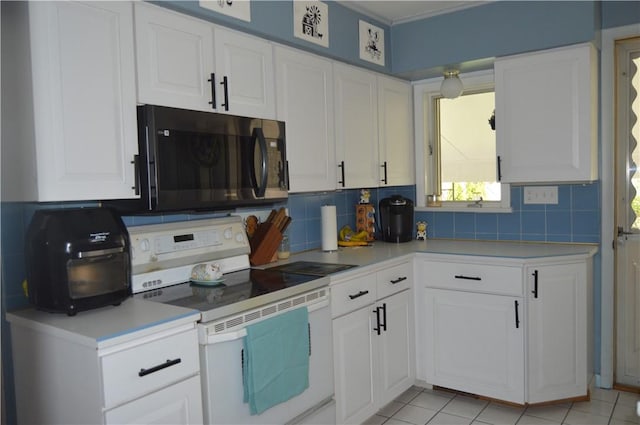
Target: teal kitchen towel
[[276, 360]]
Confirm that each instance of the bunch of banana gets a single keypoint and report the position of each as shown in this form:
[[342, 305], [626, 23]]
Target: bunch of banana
[[347, 237]]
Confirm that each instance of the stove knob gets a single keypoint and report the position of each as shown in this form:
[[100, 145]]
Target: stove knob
[[239, 237], [228, 233], [145, 245]]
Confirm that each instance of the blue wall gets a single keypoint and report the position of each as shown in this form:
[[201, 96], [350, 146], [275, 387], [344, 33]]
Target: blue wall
[[495, 29], [620, 13]]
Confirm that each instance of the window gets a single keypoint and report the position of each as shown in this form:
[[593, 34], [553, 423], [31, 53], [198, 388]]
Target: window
[[459, 146]]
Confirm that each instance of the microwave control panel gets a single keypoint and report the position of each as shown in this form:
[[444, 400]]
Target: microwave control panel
[[174, 244]]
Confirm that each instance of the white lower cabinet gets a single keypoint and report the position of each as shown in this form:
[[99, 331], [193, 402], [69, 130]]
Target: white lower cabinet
[[374, 356], [557, 328], [179, 404], [476, 343], [513, 331], [150, 376]]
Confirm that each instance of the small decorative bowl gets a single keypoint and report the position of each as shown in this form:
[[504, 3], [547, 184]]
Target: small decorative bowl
[[206, 272]]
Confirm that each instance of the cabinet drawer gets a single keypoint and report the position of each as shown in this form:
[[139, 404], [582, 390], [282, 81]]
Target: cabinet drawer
[[472, 277], [160, 362], [353, 294], [394, 279]]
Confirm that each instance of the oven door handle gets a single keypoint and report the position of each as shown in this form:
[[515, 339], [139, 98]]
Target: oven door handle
[[241, 333]]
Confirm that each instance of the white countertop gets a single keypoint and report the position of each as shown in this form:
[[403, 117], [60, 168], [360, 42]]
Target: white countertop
[[516, 252], [106, 326]]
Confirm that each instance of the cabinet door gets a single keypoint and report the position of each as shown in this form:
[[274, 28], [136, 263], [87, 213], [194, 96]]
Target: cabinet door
[[179, 404], [395, 122], [83, 99], [476, 343], [356, 115], [304, 84], [557, 328], [247, 63], [174, 59], [355, 365], [546, 115], [397, 347]]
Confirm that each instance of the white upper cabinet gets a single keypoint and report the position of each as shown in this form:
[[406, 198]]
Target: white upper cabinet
[[174, 59], [247, 64], [304, 84], [70, 130], [546, 115], [185, 62], [356, 115], [395, 127]]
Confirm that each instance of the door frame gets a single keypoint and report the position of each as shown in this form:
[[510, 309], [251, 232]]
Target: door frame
[[608, 234]]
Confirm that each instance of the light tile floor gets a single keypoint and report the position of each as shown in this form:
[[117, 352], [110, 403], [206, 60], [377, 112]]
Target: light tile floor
[[420, 406]]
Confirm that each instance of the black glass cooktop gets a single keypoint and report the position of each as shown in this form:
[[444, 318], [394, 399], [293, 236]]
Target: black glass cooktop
[[311, 268], [233, 288]]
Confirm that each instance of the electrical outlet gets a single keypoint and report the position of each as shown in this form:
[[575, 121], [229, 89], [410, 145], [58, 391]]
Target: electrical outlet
[[541, 195]]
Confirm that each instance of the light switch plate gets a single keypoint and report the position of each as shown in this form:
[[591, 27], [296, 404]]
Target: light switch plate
[[541, 194]]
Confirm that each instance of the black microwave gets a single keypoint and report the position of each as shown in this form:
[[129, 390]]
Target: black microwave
[[192, 160]]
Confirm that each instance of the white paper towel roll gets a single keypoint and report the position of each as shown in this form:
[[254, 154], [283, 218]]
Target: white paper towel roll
[[329, 228]]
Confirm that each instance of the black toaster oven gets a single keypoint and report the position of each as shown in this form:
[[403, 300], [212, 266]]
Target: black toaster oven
[[77, 259]]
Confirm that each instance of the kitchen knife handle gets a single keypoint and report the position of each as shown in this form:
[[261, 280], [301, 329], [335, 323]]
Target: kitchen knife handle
[[535, 284], [212, 80]]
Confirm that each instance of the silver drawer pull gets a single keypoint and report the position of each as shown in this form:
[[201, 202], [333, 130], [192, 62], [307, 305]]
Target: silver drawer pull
[[398, 280], [164, 365], [460, 276]]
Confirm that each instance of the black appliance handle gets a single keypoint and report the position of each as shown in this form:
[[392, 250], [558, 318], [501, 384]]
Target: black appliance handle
[[99, 252], [225, 84], [258, 137], [168, 363], [384, 180], [212, 80], [341, 166]]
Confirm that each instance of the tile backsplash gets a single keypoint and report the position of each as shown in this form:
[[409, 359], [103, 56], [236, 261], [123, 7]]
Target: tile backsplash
[[576, 218]]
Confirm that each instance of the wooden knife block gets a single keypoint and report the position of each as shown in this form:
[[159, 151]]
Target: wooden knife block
[[264, 244]]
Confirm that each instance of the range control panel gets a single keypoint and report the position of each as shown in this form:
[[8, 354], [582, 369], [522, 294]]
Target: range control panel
[[160, 246]]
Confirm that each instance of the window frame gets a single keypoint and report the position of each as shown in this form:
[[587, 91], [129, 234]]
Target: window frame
[[425, 92]]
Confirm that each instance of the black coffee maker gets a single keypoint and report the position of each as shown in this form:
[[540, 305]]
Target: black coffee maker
[[396, 219]]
